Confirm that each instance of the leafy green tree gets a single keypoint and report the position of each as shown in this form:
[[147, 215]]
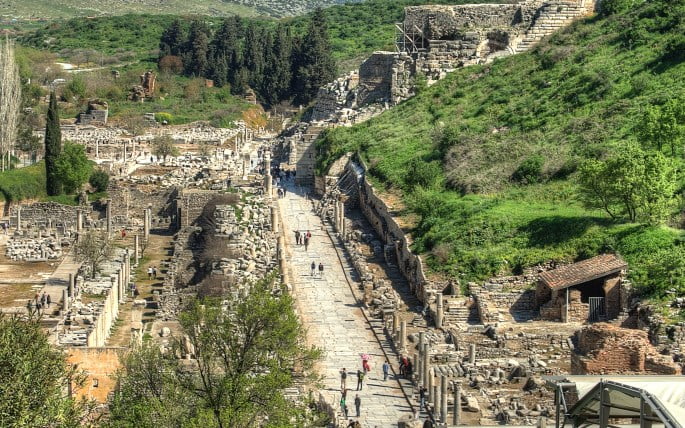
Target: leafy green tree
[[53, 148], [244, 356], [99, 180], [164, 146], [315, 65], [73, 167], [34, 377], [664, 125], [634, 184]]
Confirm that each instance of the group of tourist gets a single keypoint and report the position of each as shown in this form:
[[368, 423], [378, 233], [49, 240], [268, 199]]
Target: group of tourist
[[361, 375], [152, 272], [39, 301], [313, 267], [303, 238]]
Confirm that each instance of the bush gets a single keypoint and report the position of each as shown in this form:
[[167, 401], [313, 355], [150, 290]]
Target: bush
[[530, 170], [99, 180], [612, 7], [161, 117]]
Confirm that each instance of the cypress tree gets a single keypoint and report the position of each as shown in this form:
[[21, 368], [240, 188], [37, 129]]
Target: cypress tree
[[196, 50], [53, 148], [254, 54], [316, 64], [278, 67], [171, 42]]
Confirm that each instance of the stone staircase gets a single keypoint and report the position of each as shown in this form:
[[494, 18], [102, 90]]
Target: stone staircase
[[550, 18], [457, 313]]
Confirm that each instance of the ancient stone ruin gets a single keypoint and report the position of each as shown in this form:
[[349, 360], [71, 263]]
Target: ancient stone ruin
[[96, 113]]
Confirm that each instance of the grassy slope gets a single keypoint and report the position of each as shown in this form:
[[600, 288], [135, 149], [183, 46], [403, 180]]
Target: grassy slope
[[567, 100]]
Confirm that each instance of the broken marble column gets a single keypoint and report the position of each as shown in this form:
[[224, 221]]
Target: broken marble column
[[422, 359], [136, 248], [71, 285], [146, 224], [443, 399], [439, 311], [19, 217], [472, 353], [109, 217], [65, 300], [438, 396], [79, 221], [403, 336], [426, 363], [267, 185], [274, 220], [395, 326], [456, 417]]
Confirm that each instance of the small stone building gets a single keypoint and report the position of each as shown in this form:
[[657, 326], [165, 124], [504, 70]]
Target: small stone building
[[591, 290]]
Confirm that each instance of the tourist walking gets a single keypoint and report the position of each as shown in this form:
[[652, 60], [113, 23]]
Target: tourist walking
[[343, 379], [358, 405], [321, 269], [154, 272], [403, 364], [360, 380], [422, 397], [297, 237], [149, 273], [48, 300], [306, 241], [313, 266], [386, 370]]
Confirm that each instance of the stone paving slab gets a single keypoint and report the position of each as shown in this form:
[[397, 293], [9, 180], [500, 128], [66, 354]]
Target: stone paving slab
[[334, 319]]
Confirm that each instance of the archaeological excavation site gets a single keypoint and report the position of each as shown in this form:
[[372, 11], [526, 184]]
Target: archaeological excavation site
[[294, 267]]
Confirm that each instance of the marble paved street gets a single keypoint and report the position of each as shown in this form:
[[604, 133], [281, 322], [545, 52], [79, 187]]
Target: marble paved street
[[334, 319]]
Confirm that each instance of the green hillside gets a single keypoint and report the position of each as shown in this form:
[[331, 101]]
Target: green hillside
[[486, 161], [71, 8]]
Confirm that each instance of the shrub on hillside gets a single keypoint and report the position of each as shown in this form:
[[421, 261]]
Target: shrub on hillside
[[99, 180], [612, 7], [530, 170]]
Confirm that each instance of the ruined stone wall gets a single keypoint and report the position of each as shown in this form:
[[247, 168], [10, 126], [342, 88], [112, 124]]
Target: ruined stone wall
[[189, 205], [377, 213], [439, 22], [99, 364], [108, 312], [492, 304], [606, 349], [44, 214]]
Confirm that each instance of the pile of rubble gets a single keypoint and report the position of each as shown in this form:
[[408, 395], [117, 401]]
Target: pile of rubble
[[35, 250]]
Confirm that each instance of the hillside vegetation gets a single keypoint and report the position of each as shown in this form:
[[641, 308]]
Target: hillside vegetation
[[71, 8], [486, 161]]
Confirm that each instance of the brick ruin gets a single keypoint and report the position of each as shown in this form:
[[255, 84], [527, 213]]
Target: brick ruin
[[608, 349]]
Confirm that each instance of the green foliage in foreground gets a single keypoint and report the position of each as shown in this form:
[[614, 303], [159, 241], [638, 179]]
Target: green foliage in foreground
[[245, 358], [33, 378], [573, 98]]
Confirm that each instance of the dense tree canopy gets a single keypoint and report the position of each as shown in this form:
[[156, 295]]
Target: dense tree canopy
[[73, 167], [274, 62]]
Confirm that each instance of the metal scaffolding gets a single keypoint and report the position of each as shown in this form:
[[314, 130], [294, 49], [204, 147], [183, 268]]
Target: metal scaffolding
[[409, 40]]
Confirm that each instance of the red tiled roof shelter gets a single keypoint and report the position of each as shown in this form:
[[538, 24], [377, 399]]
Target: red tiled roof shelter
[[585, 271]]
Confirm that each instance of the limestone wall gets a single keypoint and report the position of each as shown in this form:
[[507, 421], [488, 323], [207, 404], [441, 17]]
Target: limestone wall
[[189, 205], [377, 213], [44, 214], [440, 22]]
